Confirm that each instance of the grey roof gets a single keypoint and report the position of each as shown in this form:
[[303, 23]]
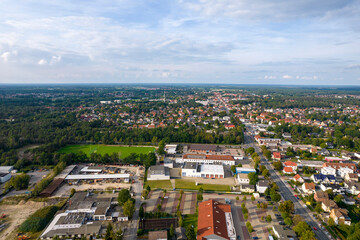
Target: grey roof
[[159, 170], [190, 165], [90, 228], [263, 183], [284, 233], [203, 147], [3, 174]]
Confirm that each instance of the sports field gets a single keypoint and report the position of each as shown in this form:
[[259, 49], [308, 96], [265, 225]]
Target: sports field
[[123, 151]]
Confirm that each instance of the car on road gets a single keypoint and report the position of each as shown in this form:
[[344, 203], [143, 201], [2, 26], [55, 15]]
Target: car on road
[[255, 237], [315, 228]]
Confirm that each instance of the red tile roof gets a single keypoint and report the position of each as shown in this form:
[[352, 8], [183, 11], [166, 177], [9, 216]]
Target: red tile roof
[[290, 164], [277, 155], [211, 219], [288, 169]]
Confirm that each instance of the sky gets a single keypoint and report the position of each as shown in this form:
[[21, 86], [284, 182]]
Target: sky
[[304, 42]]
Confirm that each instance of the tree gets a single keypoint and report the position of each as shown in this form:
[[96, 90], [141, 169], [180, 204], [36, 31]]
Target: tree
[[250, 150], [253, 178], [161, 147], [237, 198], [287, 207], [129, 208], [123, 196], [268, 218], [338, 198], [252, 198], [278, 165], [288, 221], [201, 190], [72, 192], [119, 234], [244, 198], [304, 231], [199, 197], [180, 221], [190, 233], [265, 173], [243, 205], [297, 218], [19, 182], [109, 235], [141, 212], [172, 230], [331, 222], [275, 197], [233, 168], [318, 207], [249, 227]]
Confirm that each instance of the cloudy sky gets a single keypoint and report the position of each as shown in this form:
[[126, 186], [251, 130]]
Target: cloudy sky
[[302, 42]]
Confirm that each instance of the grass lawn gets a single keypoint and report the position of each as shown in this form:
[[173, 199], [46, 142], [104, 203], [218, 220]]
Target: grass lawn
[[190, 219], [123, 151], [185, 184], [155, 184]]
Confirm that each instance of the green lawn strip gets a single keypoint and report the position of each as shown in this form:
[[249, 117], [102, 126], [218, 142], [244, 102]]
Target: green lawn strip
[[190, 219], [185, 184], [103, 149], [159, 184]]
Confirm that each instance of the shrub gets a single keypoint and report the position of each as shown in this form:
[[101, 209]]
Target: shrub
[[39, 220]]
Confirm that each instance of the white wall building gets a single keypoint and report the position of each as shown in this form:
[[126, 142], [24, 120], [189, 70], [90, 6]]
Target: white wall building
[[207, 159], [202, 170], [158, 173], [243, 178], [328, 171], [4, 177]]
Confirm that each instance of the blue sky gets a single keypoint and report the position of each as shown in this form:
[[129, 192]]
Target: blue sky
[[186, 41]]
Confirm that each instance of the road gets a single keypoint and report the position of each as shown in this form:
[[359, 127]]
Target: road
[[131, 232], [287, 194]]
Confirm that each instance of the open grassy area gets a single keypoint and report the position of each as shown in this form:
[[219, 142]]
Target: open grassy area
[[159, 184], [123, 151], [186, 184]]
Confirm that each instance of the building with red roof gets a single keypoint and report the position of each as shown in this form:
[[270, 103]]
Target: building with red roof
[[277, 155], [215, 221]]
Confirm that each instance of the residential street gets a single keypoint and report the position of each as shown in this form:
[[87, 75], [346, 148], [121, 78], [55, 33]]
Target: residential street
[[286, 192]]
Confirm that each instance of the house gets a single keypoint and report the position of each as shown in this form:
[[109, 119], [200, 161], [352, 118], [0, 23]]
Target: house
[[340, 216], [291, 164], [215, 221], [349, 201], [158, 173], [327, 205], [328, 171], [310, 163], [308, 188], [288, 170], [243, 178], [298, 178], [277, 156], [335, 187], [247, 188], [343, 171], [158, 235], [338, 166], [283, 234], [321, 178], [286, 135], [321, 196], [262, 185], [351, 177], [352, 187]]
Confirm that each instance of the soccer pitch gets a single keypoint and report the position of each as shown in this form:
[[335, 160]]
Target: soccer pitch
[[102, 149]]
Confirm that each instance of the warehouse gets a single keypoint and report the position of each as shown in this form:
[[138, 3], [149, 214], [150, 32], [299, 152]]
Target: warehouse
[[191, 169]]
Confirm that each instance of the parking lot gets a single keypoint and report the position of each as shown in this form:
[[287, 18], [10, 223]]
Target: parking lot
[[187, 204]]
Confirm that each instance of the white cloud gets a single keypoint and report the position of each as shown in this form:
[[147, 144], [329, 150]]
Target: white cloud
[[42, 62], [5, 56], [287, 77], [165, 74], [269, 77], [55, 60]]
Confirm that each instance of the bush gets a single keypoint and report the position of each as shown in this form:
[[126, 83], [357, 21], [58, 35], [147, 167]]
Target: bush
[[249, 227], [39, 220]]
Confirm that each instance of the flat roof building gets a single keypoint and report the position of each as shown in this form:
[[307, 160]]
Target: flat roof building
[[158, 173]]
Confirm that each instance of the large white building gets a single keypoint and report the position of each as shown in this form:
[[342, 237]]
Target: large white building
[[207, 159], [158, 173], [191, 169], [4, 177]]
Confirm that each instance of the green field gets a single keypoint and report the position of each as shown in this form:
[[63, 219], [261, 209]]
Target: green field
[[159, 184], [102, 149], [185, 184]]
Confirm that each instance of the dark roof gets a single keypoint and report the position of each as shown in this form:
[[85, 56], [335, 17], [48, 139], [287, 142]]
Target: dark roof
[[203, 147], [52, 187], [322, 177]]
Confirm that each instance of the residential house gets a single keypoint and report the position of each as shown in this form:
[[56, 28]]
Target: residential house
[[349, 201], [328, 171], [352, 177], [321, 178], [247, 188], [352, 187], [243, 178], [337, 189], [339, 166], [343, 171], [291, 164], [321, 196], [288, 170], [298, 178], [327, 205], [340, 216], [277, 156], [308, 188], [262, 185], [215, 221]]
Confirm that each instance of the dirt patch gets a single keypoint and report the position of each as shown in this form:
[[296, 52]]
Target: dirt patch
[[17, 214]]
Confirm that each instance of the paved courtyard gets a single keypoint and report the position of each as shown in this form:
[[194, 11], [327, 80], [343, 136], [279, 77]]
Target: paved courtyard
[[171, 200]]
